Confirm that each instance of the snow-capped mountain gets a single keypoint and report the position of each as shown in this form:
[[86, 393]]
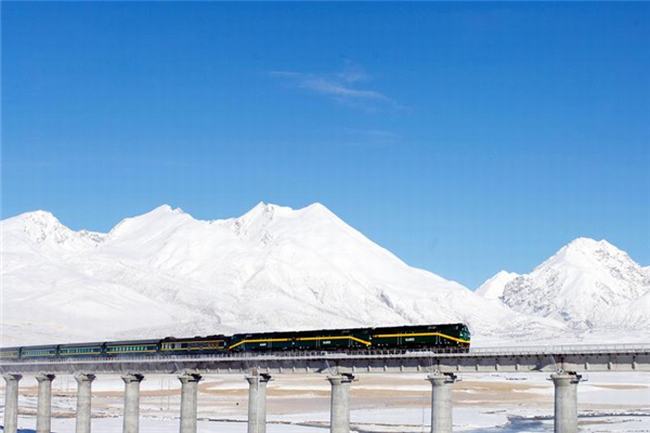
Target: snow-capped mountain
[[166, 273], [493, 287], [588, 284]]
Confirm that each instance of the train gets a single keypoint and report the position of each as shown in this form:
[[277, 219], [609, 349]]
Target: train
[[454, 337]]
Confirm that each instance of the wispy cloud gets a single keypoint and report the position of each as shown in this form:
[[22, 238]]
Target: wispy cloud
[[345, 86]]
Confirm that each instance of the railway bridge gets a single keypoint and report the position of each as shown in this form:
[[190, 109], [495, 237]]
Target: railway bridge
[[564, 364]]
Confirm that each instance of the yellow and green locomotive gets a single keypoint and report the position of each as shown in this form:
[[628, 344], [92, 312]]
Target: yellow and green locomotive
[[448, 337]]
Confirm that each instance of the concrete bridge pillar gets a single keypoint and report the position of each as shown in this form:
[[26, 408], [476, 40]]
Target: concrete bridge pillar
[[11, 402], [441, 407], [566, 401], [44, 404], [340, 403], [84, 396], [131, 422], [257, 402], [189, 393]]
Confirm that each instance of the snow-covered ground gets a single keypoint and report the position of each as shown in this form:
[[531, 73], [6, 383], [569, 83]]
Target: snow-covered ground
[[466, 420], [483, 403]]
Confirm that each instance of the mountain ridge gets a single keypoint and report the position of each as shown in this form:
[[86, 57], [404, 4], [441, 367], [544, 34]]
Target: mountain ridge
[[271, 268]]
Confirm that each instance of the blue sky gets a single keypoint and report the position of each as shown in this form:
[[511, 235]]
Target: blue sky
[[466, 138]]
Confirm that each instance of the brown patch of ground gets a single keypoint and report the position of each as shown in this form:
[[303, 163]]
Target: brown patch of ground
[[619, 386]]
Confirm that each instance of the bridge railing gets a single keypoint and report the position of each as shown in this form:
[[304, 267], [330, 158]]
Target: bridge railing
[[562, 349]]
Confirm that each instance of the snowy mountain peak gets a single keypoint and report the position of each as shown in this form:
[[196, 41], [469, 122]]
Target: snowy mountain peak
[[585, 242], [167, 209], [584, 254], [264, 211], [148, 224], [318, 211], [493, 287], [39, 218], [588, 248], [587, 283], [40, 226], [41, 229], [318, 208], [264, 218], [38, 215], [254, 224], [267, 211]]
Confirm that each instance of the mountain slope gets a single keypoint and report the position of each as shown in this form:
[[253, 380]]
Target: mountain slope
[[273, 268], [587, 284]]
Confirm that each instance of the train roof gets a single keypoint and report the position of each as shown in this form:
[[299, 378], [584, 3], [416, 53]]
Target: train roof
[[198, 337], [41, 346], [97, 343], [349, 330], [123, 342]]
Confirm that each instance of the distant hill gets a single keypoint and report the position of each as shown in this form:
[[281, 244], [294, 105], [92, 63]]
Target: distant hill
[[587, 284]]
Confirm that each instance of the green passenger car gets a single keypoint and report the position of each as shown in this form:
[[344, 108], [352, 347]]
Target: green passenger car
[[178, 346], [9, 353], [81, 349], [139, 347], [39, 352]]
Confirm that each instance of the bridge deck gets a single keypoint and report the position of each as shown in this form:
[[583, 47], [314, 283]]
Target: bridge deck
[[504, 359]]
